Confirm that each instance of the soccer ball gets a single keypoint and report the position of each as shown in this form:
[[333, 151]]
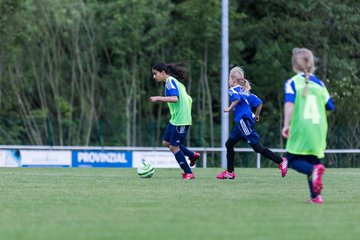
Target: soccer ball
[[145, 170]]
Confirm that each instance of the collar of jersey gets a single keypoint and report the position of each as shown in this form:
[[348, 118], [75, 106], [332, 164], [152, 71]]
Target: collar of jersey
[[170, 77]]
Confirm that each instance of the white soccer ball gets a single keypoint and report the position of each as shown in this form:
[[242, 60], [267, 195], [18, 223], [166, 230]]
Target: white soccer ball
[[145, 170]]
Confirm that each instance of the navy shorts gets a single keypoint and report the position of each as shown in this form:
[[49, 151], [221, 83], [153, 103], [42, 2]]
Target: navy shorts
[[175, 135], [245, 130], [307, 158]]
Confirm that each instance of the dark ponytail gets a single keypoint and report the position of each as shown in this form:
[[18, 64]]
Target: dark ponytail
[[176, 70]]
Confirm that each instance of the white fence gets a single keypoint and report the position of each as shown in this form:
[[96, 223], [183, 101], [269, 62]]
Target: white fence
[[203, 150]]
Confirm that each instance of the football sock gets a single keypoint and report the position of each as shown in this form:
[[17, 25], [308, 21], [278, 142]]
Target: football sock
[[304, 167], [186, 151], [312, 194], [180, 158]]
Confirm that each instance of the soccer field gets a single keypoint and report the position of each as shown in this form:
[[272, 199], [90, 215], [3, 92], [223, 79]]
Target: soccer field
[[96, 203]]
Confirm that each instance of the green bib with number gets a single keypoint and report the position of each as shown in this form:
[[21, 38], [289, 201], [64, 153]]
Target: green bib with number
[[308, 127]]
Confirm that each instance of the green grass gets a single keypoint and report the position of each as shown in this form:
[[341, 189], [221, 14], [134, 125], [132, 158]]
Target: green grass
[[76, 203]]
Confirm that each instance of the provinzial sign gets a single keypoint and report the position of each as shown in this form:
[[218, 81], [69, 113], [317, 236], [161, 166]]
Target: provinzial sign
[[120, 159]]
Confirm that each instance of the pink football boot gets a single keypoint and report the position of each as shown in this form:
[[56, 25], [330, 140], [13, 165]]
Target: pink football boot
[[193, 160], [226, 175], [317, 173], [317, 200], [188, 176], [283, 166]]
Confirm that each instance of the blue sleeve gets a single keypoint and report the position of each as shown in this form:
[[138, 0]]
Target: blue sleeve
[[330, 105], [233, 95], [254, 100], [290, 91], [171, 88]]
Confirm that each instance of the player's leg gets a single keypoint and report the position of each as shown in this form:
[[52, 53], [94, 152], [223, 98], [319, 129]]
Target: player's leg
[[178, 134], [316, 175], [266, 153], [167, 135], [304, 167], [305, 164], [230, 154], [282, 162], [193, 156], [300, 163], [314, 197], [235, 136], [246, 126]]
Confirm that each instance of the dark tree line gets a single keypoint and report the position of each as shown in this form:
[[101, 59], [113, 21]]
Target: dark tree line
[[76, 72]]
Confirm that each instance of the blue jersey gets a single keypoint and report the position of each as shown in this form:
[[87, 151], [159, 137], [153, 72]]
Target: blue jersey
[[247, 101]]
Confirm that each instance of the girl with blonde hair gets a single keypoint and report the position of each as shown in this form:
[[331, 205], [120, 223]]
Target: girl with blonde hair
[[242, 102], [305, 121]]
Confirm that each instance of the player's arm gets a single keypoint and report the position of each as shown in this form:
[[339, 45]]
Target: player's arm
[[257, 112], [329, 106], [171, 99], [256, 103], [290, 95], [288, 110], [232, 105], [171, 93]]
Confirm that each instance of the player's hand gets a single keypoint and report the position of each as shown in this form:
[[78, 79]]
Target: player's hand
[[153, 99], [285, 132], [226, 109], [257, 118]]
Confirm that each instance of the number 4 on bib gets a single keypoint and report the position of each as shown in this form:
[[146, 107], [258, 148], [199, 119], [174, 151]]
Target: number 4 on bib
[[311, 111]]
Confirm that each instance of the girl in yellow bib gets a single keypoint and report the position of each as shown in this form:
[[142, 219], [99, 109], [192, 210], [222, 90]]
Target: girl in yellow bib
[[305, 123], [179, 103]]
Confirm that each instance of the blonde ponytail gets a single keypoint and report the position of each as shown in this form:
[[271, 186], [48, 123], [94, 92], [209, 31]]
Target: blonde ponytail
[[307, 76], [246, 87], [238, 70], [303, 61]]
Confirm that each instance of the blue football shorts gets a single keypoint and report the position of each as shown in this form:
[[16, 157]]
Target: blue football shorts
[[175, 135], [244, 129]]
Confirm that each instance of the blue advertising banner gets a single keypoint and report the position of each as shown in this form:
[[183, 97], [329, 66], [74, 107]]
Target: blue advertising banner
[[108, 159]]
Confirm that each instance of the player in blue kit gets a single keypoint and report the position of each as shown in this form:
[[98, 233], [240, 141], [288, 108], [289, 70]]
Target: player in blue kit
[[242, 102]]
